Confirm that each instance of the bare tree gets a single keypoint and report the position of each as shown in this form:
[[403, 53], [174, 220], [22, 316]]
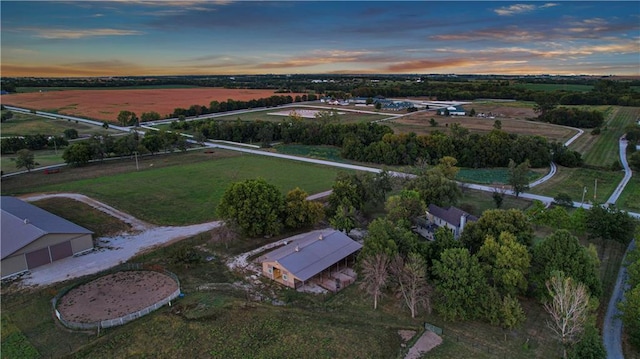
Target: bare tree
[[411, 279], [569, 308], [375, 272], [225, 233]]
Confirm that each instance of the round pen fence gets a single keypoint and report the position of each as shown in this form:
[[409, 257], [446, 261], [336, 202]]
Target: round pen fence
[[122, 319]]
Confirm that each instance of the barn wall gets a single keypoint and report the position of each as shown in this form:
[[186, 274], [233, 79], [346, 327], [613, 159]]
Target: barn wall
[[82, 243], [12, 265], [51, 239]]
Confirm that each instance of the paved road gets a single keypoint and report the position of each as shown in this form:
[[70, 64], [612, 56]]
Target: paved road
[[612, 326]]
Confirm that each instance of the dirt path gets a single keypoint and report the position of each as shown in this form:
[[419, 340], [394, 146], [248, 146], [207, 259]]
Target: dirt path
[[427, 341]]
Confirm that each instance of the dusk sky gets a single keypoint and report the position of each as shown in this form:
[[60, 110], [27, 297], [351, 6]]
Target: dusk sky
[[121, 38]]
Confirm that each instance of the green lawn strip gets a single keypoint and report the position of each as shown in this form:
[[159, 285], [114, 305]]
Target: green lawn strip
[[189, 194], [14, 343], [83, 215], [42, 158], [27, 124], [606, 150], [491, 175], [329, 153], [629, 200], [347, 117], [573, 181], [476, 202]]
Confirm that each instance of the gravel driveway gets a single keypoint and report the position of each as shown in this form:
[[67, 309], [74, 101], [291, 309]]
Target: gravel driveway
[[112, 250]]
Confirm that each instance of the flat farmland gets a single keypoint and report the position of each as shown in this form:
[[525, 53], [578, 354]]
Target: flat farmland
[[419, 123], [344, 116], [104, 105]]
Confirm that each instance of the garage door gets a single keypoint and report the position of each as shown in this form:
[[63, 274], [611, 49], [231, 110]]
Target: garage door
[[38, 258], [61, 250]]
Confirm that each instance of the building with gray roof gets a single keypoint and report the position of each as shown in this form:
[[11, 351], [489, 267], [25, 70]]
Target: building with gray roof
[[321, 257], [31, 237], [450, 217]]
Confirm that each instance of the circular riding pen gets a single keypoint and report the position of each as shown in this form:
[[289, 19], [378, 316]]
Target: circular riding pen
[[126, 293]]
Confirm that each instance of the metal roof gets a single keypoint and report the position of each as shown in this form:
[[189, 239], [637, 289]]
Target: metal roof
[[23, 223], [450, 214], [310, 255]]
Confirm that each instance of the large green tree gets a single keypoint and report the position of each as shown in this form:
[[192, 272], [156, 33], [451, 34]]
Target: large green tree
[[298, 212], [562, 251], [492, 223], [460, 285], [630, 309], [610, 224], [518, 176], [25, 158], [405, 206], [385, 236], [78, 154], [435, 188], [506, 263], [127, 118], [254, 206]]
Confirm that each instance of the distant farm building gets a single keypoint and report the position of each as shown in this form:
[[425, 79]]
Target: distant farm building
[[324, 258], [452, 111], [32, 237]]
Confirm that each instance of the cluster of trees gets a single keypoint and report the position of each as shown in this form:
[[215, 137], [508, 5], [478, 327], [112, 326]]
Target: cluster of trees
[[323, 131], [232, 105], [630, 307], [101, 146], [257, 208], [493, 149], [31, 142], [484, 274], [573, 117]]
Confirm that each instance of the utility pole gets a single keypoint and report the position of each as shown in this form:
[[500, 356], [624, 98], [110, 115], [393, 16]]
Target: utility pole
[[595, 191], [137, 167], [583, 193]]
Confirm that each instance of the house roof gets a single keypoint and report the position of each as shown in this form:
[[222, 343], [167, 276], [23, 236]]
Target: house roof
[[450, 214], [313, 255], [23, 223]]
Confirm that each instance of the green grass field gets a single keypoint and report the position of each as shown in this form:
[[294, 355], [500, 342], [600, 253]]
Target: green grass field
[[489, 175], [320, 152], [42, 158], [188, 194], [629, 200], [347, 117], [573, 180], [476, 202], [100, 223], [605, 150], [26, 124]]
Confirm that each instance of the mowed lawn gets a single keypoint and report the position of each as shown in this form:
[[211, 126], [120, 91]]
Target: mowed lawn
[[573, 181], [630, 198], [22, 124], [603, 150], [189, 193]]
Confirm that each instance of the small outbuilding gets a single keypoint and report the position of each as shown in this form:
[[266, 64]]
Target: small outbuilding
[[32, 237], [321, 257]]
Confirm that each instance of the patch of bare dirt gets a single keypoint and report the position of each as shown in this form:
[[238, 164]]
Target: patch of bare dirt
[[427, 341], [115, 295]]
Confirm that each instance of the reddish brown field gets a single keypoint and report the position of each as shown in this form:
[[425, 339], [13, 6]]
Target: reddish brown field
[[105, 105]]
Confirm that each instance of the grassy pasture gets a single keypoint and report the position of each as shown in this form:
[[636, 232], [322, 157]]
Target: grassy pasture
[[419, 123], [573, 180], [321, 152], [42, 158], [26, 124], [188, 194], [476, 202], [347, 117], [630, 198], [603, 149], [488, 175], [100, 223]]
